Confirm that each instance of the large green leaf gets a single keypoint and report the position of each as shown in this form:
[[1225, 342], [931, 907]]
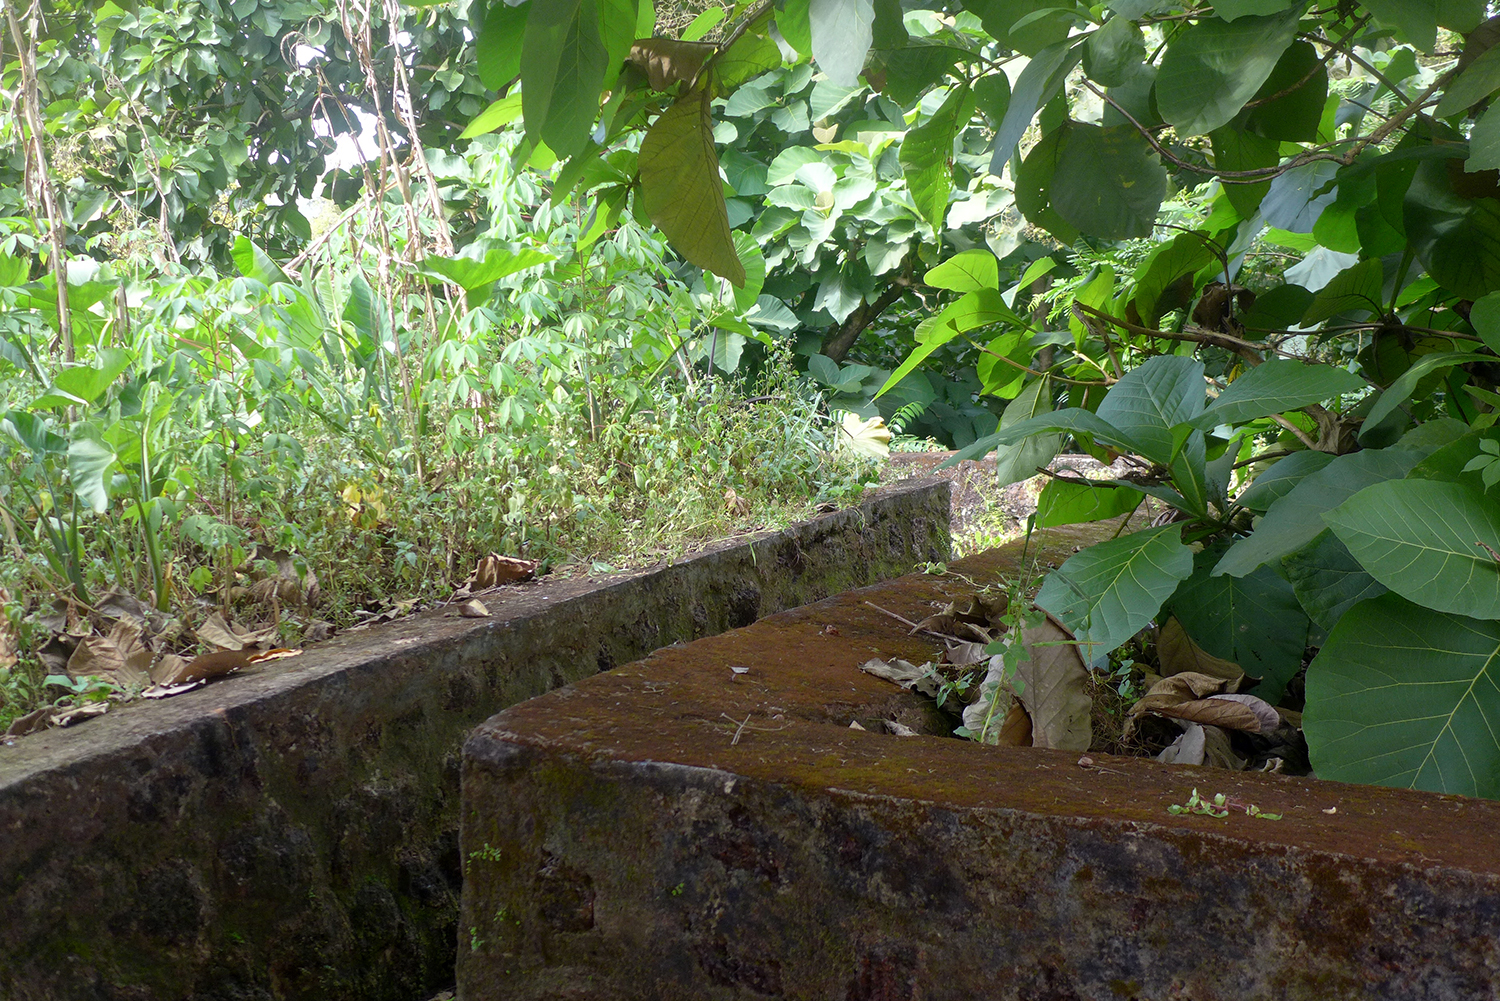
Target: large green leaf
[[973, 310], [1402, 695], [1274, 387], [1416, 18], [969, 271], [1426, 541], [88, 382], [1296, 519], [1107, 182], [617, 30], [842, 31], [1212, 69], [1456, 238], [1164, 281], [1289, 105], [1066, 502], [1479, 80], [1034, 185], [1355, 288], [1072, 420], [1042, 78], [1484, 141], [927, 153], [471, 275], [563, 64], [681, 188], [1254, 621], [1328, 580], [1400, 391], [497, 47], [1151, 399], [1485, 316], [1236, 149], [1110, 591], [256, 263], [1278, 481], [1021, 460], [1112, 50], [89, 458]]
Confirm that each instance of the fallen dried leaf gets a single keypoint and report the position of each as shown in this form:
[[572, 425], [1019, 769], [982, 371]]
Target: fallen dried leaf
[[32, 722], [473, 609], [899, 729], [1179, 688], [903, 673], [1015, 729], [222, 662], [1268, 717], [964, 654], [1053, 685], [1214, 712], [495, 570], [229, 637], [854, 725], [737, 506], [1179, 654], [164, 691], [70, 716], [119, 658]]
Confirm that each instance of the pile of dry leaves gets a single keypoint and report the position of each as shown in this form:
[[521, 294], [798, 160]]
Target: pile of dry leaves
[[1016, 676], [120, 649]]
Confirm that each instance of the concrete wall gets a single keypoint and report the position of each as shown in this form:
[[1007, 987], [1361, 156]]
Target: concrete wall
[[293, 833], [671, 830]]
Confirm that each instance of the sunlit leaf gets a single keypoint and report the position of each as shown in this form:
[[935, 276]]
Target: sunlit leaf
[[1110, 591], [681, 188]]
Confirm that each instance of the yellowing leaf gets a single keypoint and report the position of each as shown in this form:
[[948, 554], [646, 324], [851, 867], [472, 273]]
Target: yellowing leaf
[[681, 187], [869, 437]]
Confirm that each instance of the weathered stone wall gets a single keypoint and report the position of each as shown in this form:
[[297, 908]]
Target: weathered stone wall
[[293, 833], [672, 830]]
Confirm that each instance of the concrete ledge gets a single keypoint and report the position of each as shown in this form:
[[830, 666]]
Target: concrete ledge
[[620, 843], [293, 833]]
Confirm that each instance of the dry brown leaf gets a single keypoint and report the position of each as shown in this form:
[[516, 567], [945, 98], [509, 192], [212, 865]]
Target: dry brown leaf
[[473, 609], [166, 691], [1264, 712], [964, 654], [78, 713], [903, 673], [1053, 685], [220, 663], [168, 667], [1015, 730], [10, 643], [1202, 745], [495, 570], [1179, 654], [1187, 749], [1218, 752], [1214, 712], [737, 506], [898, 729], [227, 637], [32, 722], [666, 61], [119, 658], [1177, 689]]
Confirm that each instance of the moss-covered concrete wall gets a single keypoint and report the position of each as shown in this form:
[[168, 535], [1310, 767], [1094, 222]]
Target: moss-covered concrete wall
[[294, 833]]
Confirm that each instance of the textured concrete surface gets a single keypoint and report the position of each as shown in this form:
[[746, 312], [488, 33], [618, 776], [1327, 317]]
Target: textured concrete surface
[[674, 829], [294, 833]]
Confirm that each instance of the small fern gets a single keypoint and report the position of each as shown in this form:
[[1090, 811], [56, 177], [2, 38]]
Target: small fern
[[908, 413]]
